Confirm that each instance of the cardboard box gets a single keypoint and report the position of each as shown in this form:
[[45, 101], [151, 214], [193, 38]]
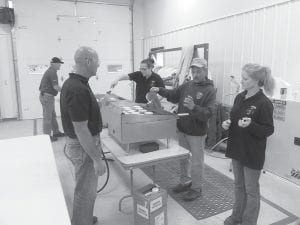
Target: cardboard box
[[132, 128], [150, 208]]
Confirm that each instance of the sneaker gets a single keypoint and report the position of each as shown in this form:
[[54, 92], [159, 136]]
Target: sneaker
[[231, 221], [59, 134], [182, 187], [53, 138], [95, 220], [191, 195]]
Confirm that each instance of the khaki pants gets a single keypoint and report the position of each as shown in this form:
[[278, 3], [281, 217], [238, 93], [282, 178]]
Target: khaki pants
[[192, 169], [49, 115]]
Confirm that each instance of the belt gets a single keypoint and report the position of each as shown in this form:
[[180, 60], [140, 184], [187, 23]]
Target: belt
[[44, 93]]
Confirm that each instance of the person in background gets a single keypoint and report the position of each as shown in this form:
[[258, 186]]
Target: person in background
[[49, 88], [197, 98], [144, 79], [250, 123], [82, 123]]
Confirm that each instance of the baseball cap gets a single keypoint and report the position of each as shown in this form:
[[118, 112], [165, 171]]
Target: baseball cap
[[56, 60], [199, 62]]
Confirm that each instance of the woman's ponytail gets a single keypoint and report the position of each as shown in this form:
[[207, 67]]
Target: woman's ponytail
[[263, 75], [269, 82]]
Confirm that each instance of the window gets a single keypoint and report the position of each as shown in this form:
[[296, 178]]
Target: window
[[10, 4], [157, 55], [117, 68]]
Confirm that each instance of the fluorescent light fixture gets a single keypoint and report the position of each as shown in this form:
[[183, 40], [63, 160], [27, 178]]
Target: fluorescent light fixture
[[58, 17]]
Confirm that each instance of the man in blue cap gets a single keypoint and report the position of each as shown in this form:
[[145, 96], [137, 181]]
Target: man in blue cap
[[48, 90]]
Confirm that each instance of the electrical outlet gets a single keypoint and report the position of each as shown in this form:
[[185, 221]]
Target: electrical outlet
[[297, 141]]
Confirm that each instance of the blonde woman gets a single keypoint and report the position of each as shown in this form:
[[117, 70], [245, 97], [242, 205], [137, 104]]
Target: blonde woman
[[250, 123]]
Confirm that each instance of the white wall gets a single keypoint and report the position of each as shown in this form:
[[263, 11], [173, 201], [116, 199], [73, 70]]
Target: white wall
[[40, 36], [166, 15], [138, 32], [269, 36]]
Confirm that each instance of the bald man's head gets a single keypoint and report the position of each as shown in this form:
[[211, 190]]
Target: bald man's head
[[86, 60], [84, 53]]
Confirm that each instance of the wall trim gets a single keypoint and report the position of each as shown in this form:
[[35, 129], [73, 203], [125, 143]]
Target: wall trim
[[97, 2]]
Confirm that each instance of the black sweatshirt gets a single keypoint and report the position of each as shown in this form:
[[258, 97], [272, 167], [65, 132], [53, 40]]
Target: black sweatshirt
[[204, 96], [248, 145]]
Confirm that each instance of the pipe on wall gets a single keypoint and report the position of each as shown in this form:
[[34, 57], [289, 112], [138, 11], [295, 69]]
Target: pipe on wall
[[16, 73], [132, 45], [16, 70]]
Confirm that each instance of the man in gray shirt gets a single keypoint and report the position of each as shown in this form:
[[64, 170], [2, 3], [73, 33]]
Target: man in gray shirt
[[48, 90]]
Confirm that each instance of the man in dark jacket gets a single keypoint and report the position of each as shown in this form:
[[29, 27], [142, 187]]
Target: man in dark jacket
[[197, 98]]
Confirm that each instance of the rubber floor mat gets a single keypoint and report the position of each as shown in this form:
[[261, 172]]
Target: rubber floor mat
[[217, 191]]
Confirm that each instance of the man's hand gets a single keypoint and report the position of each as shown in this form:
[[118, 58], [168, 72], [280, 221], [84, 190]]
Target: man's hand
[[244, 122], [114, 83], [100, 167], [189, 102], [226, 124], [154, 89], [57, 88]]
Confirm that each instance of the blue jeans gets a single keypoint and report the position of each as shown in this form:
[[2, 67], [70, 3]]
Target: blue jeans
[[247, 194], [192, 169], [86, 182], [49, 115]]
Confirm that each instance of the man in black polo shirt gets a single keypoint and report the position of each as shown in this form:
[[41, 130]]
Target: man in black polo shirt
[[81, 120], [48, 90], [145, 79]]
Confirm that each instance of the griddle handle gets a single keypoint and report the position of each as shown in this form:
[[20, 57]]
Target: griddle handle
[[183, 114]]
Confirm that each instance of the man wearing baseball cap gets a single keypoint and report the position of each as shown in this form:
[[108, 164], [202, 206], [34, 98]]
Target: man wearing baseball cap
[[48, 90], [197, 99]]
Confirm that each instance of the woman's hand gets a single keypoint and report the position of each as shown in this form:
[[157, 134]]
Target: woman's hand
[[114, 83], [226, 124], [244, 122]]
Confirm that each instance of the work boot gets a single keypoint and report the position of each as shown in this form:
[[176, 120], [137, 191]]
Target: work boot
[[53, 138], [95, 220], [191, 195], [231, 221], [59, 134], [181, 187]]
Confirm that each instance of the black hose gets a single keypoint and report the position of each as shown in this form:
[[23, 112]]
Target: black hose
[[106, 163], [212, 149], [107, 172]]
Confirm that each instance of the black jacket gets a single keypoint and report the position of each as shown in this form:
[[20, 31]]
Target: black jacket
[[204, 95], [248, 145]]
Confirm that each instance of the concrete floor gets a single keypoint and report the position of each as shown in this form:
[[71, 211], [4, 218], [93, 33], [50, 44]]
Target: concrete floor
[[283, 195]]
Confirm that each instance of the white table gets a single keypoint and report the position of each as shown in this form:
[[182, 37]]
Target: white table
[[30, 189], [135, 159]]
